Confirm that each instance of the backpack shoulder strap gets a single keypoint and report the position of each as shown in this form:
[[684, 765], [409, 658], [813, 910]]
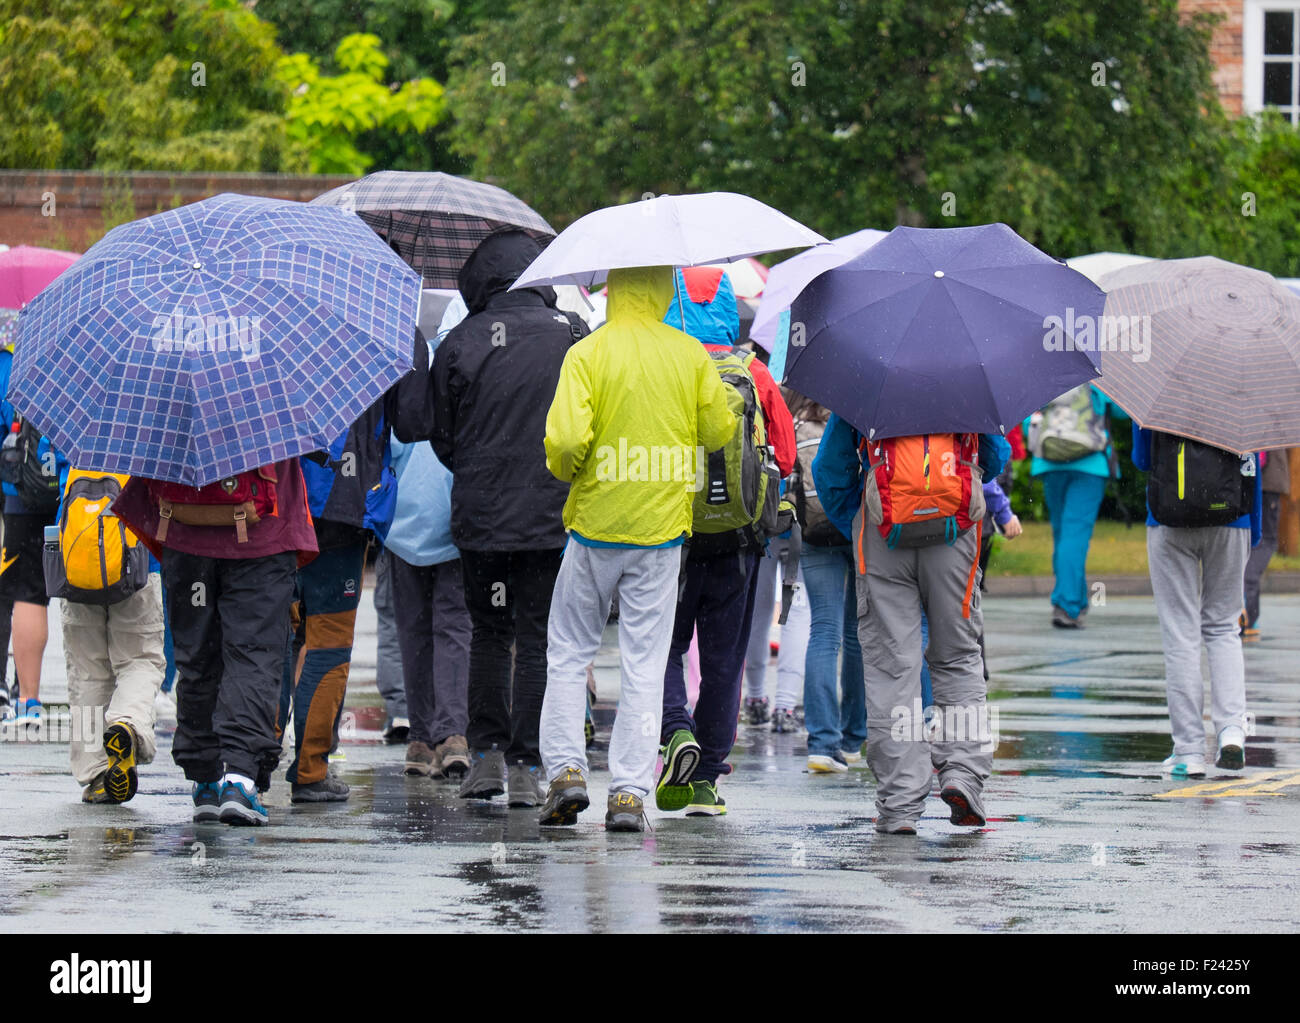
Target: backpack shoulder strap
[[577, 326]]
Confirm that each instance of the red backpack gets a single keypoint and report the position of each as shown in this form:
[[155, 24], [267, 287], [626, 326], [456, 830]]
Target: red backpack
[[236, 501], [924, 489]]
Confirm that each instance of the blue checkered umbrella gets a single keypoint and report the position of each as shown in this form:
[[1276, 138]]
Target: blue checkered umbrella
[[214, 338]]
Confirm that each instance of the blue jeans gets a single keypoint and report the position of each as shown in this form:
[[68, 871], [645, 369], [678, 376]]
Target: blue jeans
[[927, 694], [169, 650], [834, 721], [1073, 500]]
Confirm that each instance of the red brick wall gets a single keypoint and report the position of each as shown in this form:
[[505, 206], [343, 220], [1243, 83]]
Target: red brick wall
[[1226, 48], [73, 209]]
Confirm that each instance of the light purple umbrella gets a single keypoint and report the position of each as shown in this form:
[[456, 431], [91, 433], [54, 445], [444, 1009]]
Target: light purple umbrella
[[789, 278]]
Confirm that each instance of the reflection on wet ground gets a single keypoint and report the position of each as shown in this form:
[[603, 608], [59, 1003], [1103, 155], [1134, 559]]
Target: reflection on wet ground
[[1084, 833]]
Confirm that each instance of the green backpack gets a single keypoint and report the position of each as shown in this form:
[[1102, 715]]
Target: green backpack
[[740, 489], [1070, 428]]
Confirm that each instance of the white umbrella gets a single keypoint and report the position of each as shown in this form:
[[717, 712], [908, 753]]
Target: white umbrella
[[669, 230], [1096, 265]]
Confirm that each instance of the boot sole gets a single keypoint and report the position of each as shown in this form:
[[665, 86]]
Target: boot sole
[[1231, 758], [419, 770], [241, 816], [624, 822], [962, 814], [483, 792], [455, 770], [120, 781], [674, 789], [567, 808]]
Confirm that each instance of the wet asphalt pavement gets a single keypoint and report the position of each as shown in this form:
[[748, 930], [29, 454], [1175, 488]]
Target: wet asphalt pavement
[[1084, 834]]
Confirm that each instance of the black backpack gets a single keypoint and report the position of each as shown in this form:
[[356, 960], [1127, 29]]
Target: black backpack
[[1193, 484], [21, 466]]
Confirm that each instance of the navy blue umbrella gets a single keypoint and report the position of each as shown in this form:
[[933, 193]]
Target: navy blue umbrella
[[945, 330]]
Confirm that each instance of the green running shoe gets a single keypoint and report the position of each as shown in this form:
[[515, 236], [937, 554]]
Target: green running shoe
[[681, 757], [705, 801]]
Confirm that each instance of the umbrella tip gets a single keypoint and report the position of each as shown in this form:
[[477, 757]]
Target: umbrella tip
[[938, 273]]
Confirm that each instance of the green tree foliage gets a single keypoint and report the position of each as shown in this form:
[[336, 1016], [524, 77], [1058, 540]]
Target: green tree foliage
[[148, 85], [1084, 125], [328, 112]]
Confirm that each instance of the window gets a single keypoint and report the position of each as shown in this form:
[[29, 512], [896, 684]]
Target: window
[[1271, 40]]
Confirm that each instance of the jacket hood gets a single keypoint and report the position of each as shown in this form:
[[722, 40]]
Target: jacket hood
[[495, 265], [639, 293], [709, 305]]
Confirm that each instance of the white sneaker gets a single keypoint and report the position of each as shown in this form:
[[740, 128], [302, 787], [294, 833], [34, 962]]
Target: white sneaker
[[824, 763], [1232, 749], [1184, 765], [164, 707], [852, 757]]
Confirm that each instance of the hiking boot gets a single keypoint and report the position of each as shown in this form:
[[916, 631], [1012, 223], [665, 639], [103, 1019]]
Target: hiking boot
[[1232, 749], [328, 790], [565, 799], [681, 756], [1064, 621], [756, 711], [120, 780], [525, 785], [487, 775], [95, 792], [1184, 765], [624, 812], [240, 806], [453, 752], [421, 760], [705, 801], [965, 803], [784, 721], [207, 802], [397, 731], [827, 763]]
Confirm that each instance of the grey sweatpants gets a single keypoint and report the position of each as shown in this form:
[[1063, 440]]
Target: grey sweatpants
[[645, 580], [388, 655], [794, 633], [1196, 578], [115, 665], [897, 584]]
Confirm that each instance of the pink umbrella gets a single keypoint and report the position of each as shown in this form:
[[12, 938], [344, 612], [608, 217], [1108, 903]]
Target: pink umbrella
[[790, 277], [26, 270]]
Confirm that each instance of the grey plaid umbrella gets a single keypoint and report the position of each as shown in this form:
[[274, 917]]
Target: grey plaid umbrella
[[434, 220], [1212, 352]]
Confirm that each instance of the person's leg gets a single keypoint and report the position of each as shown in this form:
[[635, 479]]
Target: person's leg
[[948, 578], [452, 631], [853, 694], [824, 574], [532, 575], [1174, 562], [90, 685], [135, 644], [889, 631], [647, 597], [724, 620], [1083, 496], [1223, 560], [413, 601], [169, 647], [794, 647], [253, 601], [584, 587], [388, 653], [490, 597], [331, 591], [30, 633], [191, 585], [1055, 485], [22, 580], [1261, 555], [927, 687], [759, 650], [676, 713]]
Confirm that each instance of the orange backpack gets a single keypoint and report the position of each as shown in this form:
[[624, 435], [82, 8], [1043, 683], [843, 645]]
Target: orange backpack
[[924, 489]]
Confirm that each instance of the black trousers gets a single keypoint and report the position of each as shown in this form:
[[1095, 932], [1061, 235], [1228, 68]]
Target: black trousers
[[230, 629], [508, 594]]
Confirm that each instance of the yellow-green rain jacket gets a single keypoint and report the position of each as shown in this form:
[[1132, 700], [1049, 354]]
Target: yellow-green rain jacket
[[636, 402]]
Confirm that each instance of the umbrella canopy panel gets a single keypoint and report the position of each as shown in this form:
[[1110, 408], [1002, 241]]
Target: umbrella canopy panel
[[1220, 361]]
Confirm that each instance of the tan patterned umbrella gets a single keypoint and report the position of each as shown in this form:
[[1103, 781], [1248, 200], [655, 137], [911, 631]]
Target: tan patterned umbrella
[[1205, 349]]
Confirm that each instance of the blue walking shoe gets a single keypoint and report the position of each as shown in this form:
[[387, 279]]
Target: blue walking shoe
[[241, 806], [207, 802]]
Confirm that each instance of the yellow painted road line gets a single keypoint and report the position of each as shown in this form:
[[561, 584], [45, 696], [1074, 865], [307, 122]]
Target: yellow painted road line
[[1266, 784]]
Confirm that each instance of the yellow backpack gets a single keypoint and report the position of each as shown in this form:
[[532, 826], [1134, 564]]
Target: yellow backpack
[[98, 560]]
